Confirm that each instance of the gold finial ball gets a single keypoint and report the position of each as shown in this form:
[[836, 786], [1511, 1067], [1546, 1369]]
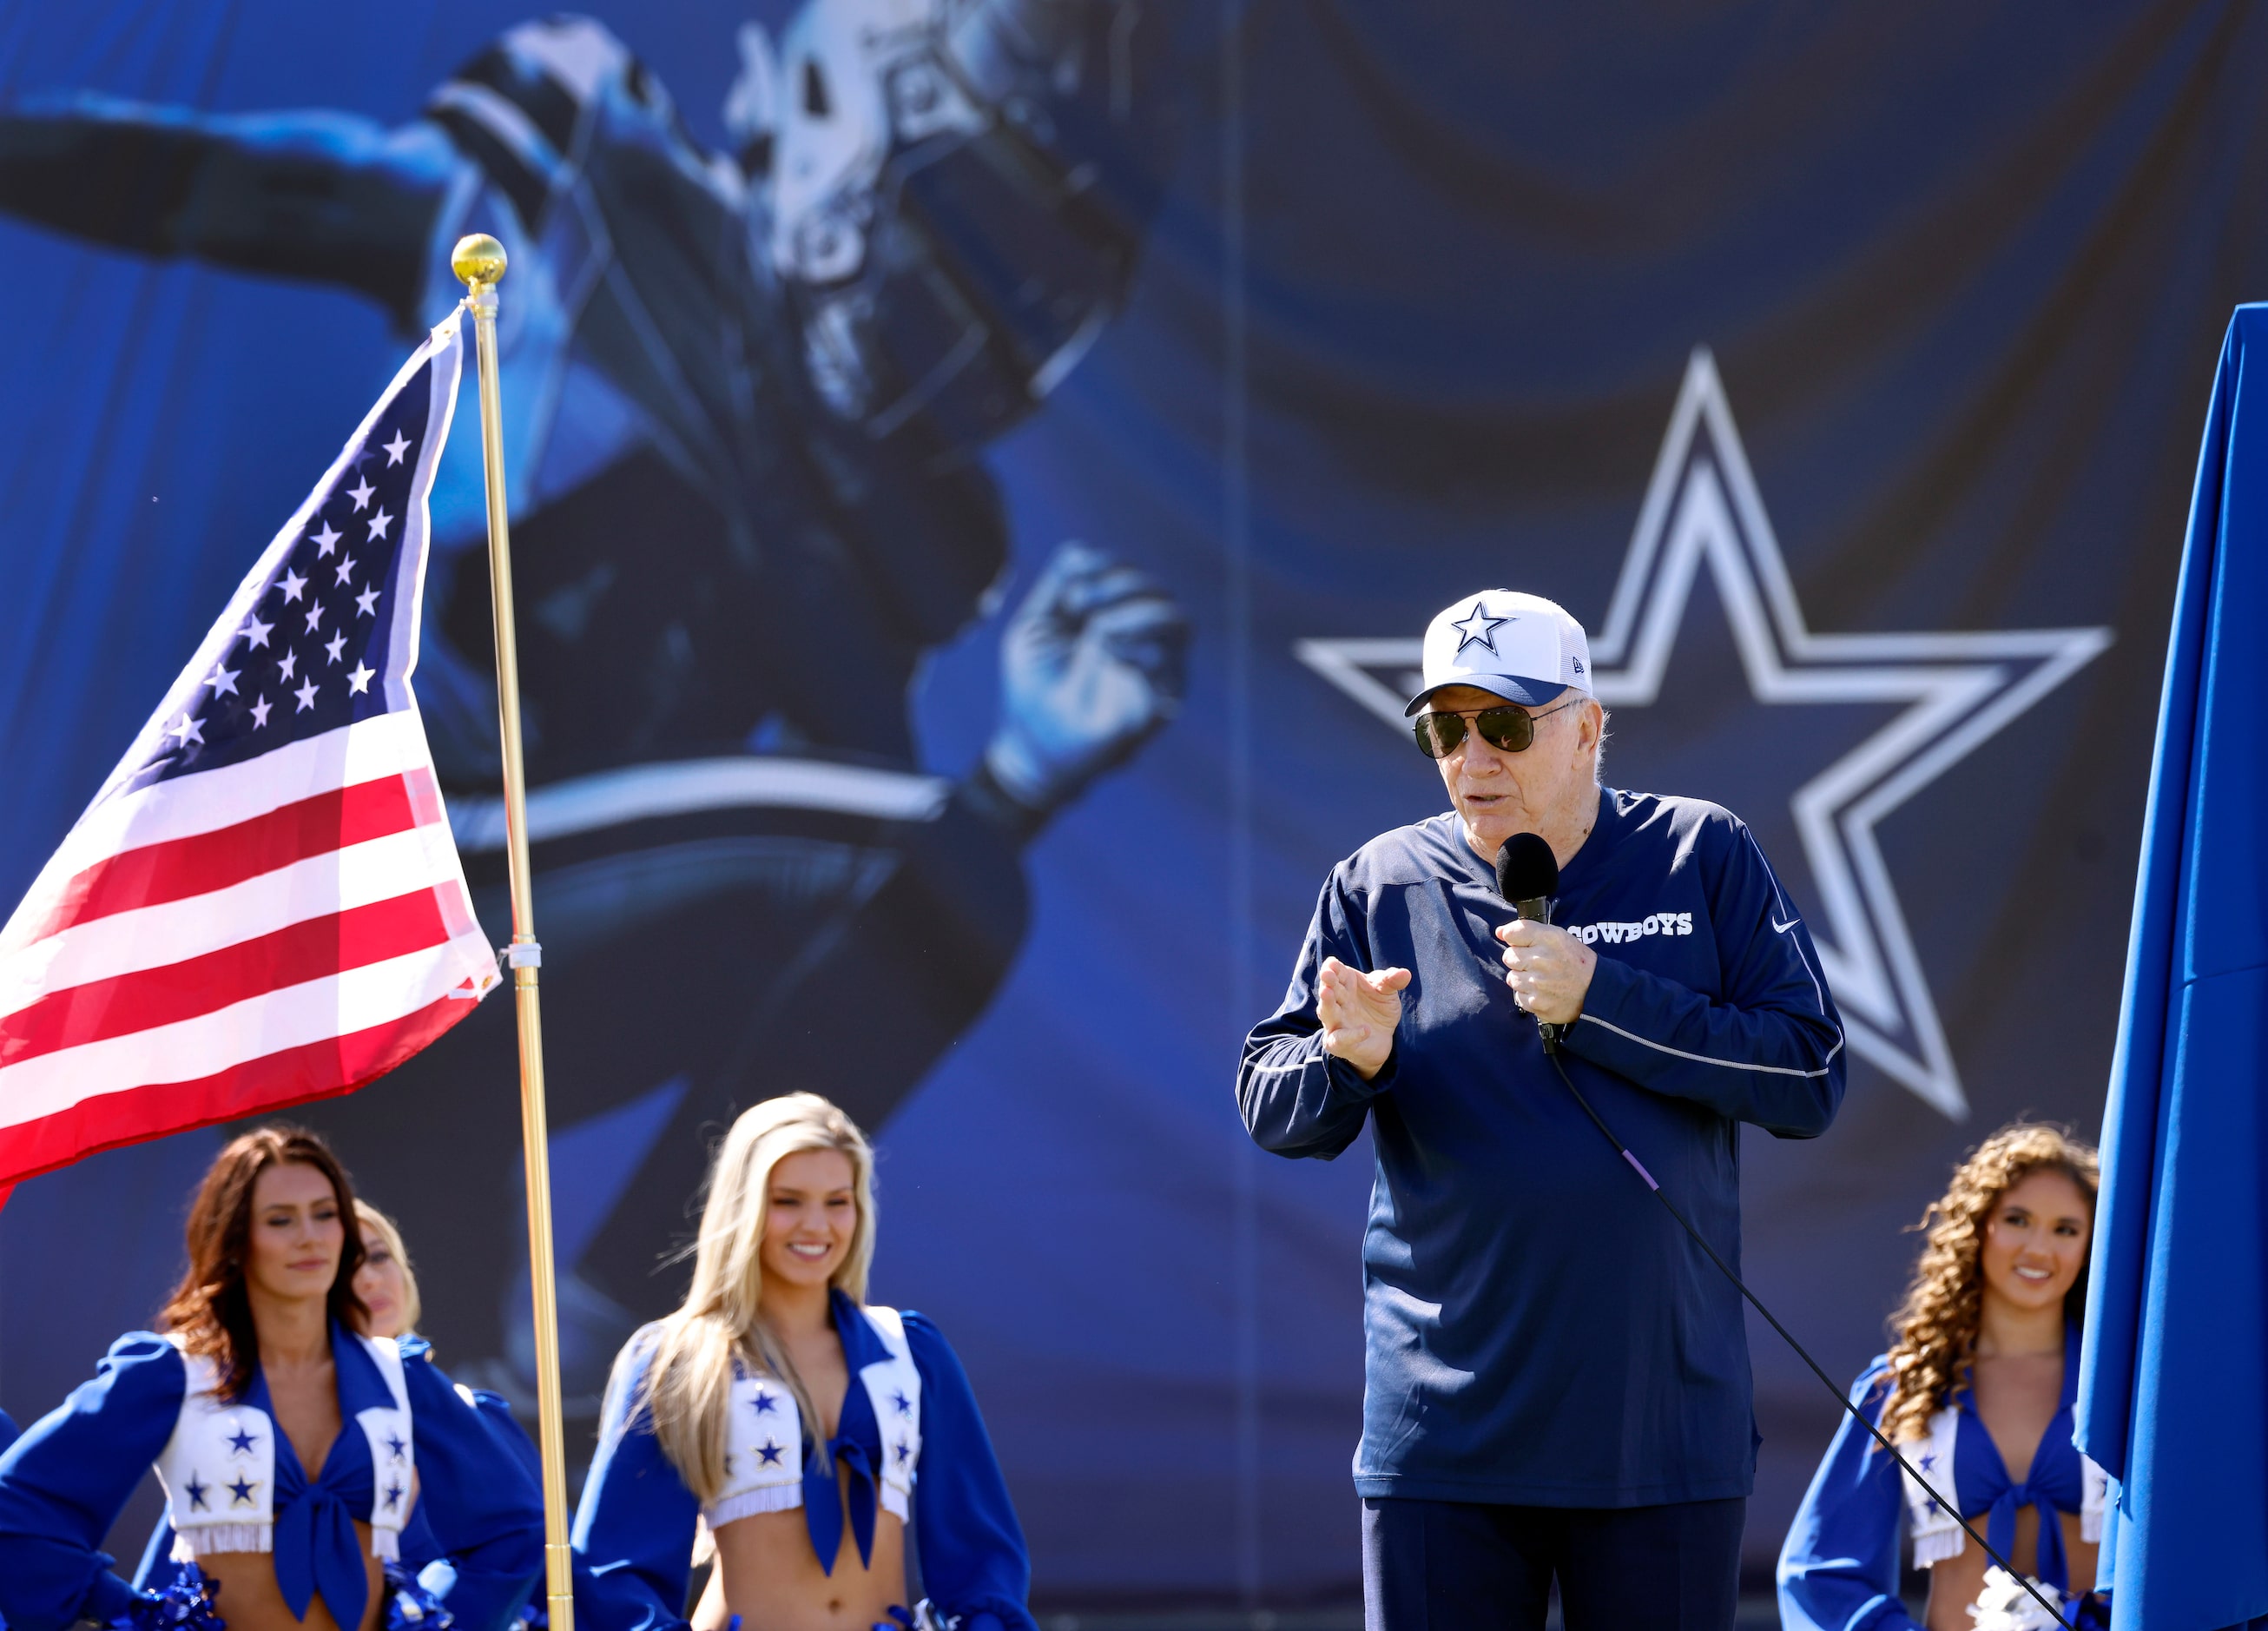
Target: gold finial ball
[[478, 259]]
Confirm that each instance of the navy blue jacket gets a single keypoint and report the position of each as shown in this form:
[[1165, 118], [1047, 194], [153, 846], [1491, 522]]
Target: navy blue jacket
[[1539, 1330]]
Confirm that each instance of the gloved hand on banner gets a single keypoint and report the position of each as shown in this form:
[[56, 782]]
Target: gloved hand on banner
[[1091, 664]]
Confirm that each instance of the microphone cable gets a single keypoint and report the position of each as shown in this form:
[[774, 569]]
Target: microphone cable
[[1551, 1053]]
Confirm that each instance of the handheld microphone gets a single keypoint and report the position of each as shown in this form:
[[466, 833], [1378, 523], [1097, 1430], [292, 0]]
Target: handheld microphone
[[1528, 876]]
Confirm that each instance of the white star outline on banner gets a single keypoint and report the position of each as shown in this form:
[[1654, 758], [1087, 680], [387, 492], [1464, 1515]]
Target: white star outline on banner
[[1703, 507]]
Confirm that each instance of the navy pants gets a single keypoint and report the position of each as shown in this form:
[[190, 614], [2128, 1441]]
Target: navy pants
[[1461, 1565]]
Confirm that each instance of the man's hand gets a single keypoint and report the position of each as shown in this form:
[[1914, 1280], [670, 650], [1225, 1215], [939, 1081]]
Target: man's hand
[[1549, 969], [1359, 1012]]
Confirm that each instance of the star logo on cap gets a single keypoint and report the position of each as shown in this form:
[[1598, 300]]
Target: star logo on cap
[[1479, 629], [1951, 691]]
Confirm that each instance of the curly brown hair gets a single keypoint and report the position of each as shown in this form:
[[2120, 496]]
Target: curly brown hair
[[1936, 1325], [209, 1308]]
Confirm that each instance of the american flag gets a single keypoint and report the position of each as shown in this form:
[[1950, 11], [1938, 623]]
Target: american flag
[[262, 905]]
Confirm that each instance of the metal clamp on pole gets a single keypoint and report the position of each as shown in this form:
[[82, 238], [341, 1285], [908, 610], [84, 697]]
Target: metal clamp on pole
[[480, 262]]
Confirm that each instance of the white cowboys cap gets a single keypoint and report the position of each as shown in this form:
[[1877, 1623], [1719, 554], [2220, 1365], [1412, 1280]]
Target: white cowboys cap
[[1522, 647]]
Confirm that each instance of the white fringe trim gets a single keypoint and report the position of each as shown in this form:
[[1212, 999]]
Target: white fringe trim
[[748, 1502], [206, 1539], [786, 1497], [1938, 1545], [1936, 1533]]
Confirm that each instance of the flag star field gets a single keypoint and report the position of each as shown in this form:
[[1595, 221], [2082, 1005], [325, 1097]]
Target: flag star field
[[320, 632]]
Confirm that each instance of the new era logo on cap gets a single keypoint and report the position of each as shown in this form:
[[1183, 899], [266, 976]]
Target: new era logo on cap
[[1522, 648]]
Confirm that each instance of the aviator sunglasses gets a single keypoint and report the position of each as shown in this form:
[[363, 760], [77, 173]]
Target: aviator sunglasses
[[1511, 729]]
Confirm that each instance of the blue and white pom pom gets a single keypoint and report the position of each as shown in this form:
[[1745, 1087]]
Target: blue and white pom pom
[[2005, 1605], [187, 1605], [412, 1606]]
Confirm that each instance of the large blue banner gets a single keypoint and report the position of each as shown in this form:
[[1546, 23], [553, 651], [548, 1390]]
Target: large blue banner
[[979, 470]]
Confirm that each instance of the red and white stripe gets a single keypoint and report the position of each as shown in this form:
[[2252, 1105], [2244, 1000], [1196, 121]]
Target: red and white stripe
[[227, 943]]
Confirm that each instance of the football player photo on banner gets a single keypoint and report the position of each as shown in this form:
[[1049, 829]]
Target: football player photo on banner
[[979, 473]]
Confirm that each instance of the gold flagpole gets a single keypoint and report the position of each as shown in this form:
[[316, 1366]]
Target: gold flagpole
[[479, 261]]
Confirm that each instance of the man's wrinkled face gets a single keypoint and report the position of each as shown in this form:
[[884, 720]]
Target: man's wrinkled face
[[1497, 793]]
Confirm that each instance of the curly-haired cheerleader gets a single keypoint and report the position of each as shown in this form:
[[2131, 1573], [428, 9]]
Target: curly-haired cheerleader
[[1977, 1393], [293, 1446]]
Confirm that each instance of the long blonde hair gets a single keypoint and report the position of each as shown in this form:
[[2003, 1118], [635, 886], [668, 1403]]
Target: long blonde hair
[[688, 1388], [1936, 1324], [413, 1307]]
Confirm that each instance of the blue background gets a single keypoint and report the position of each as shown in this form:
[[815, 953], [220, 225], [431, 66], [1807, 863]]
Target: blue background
[[1411, 321]]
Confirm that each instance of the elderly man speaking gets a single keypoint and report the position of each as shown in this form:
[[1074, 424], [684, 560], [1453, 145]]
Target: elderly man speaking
[[1557, 1380]]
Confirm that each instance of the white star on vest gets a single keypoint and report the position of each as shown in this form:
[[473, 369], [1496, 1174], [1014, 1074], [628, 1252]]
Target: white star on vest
[[1703, 508]]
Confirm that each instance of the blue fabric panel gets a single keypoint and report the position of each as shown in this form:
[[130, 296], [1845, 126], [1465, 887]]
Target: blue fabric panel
[[2171, 1396]]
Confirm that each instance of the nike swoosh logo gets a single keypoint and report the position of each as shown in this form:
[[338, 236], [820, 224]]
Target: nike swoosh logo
[[1782, 928]]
